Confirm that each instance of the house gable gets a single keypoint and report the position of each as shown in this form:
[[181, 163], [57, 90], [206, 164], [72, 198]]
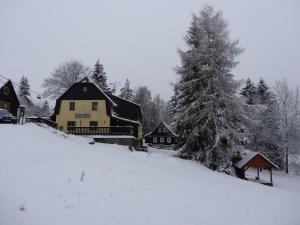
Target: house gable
[[77, 92], [161, 130], [8, 95], [161, 135]]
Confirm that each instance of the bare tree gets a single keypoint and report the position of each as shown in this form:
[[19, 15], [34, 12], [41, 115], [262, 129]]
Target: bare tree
[[288, 101], [63, 77]]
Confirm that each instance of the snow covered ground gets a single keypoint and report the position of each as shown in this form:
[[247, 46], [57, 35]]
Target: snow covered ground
[[40, 184]]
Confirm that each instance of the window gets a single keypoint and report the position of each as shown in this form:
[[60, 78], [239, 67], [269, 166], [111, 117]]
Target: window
[[169, 140], [72, 106], [93, 123], [94, 106], [154, 140], [71, 123], [161, 140], [164, 130], [84, 89], [6, 90], [159, 130], [5, 105]]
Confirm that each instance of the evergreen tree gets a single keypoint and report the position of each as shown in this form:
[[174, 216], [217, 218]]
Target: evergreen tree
[[266, 132], [173, 102], [263, 92], [24, 87], [143, 97], [99, 76], [126, 92], [209, 116], [249, 92], [45, 108]]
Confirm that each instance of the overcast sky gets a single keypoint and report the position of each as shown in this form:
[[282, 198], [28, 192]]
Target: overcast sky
[[139, 39]]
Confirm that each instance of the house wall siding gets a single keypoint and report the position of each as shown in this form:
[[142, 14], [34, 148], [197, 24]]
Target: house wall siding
[[82, 107]]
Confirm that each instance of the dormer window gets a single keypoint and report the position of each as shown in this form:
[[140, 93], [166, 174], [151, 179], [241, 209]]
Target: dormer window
[[6, 90], [84, 89]]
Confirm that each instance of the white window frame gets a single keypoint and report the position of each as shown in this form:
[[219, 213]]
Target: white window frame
[[169, 140], [154, 139], [161, 140], [164, 130], [159, 130]]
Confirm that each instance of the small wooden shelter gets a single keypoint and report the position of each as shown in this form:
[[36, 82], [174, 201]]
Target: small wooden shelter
[[255, 160]]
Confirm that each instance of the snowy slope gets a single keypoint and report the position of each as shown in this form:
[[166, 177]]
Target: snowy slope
[[40, 172]]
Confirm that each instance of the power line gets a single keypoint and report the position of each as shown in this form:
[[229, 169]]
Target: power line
[[19, 85]]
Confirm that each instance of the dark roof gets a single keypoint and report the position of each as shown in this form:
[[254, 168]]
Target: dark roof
[[12, 97], [75, 93], [11, 90], [161, 124], [250, 155], [126, 109]]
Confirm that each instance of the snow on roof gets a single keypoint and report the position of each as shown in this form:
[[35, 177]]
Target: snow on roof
[[158, 126], [127, 100], [169, 129], [88, 80], [124, 119], [250, 155]]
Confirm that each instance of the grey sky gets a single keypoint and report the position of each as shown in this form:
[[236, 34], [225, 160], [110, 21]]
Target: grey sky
[[139, 39]]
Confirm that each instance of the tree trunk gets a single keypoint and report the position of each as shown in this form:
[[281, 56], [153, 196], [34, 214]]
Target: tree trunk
[[286, 159]]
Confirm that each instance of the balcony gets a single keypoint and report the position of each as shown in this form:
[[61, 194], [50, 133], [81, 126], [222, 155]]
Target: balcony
[[102, 131]]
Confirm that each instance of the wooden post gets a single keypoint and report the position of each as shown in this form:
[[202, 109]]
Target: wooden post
[[271, 178], [257, 178]]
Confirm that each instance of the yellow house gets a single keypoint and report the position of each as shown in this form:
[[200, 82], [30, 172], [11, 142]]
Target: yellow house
[[85, 109]]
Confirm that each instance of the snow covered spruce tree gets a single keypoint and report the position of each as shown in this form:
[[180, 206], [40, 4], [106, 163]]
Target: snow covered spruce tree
[[24, 87], [249, 92], [265, 131], [45, 108], [143, 97], [99, 76], [126, 92], [209, 117], [263, 92]]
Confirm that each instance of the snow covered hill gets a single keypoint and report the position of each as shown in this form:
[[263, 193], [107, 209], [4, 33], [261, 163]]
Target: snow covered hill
[[40, 184]]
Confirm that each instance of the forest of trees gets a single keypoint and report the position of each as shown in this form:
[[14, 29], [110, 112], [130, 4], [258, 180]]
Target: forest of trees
[[214, 115]]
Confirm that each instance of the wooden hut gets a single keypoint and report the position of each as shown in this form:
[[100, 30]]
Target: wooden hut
[[254, 160]]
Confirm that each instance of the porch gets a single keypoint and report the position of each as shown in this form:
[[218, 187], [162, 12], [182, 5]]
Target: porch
[[102, 131]]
